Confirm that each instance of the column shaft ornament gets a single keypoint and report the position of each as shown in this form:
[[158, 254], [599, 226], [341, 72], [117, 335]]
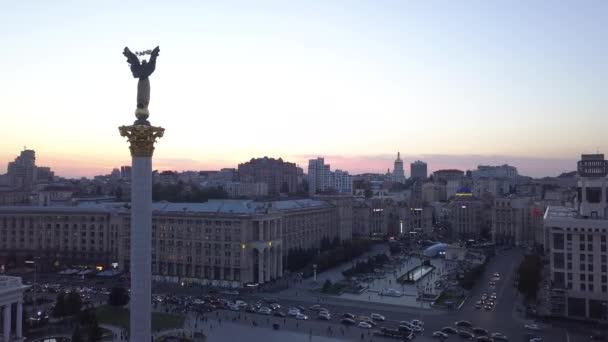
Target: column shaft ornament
[[141, 138]]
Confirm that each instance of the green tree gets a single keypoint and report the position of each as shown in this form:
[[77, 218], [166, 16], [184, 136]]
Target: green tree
[[73, 303], [529, 273], [59, 308], [119, 296], [77, 335], [326, 286]]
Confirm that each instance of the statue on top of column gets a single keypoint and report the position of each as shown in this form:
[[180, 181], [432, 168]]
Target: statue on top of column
[[142, 71]]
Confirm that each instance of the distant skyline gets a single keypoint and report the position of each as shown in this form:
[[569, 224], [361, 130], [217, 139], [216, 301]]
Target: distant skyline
[[533, 167], [352, 81]]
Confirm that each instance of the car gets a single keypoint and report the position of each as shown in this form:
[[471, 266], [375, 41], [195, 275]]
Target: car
[[440, 334], [293, 312], [479, 331], [364, 325], [265, 310], [301, 316], [348, 321], [477, 306], [366, 319], [324, 315], [484, 339], [279, 314], [314, 307], [241, 304], [492, 283], [484, 296], [536, 339], [377, 317], [275, 306], [465, 334], [301, 308], [449, 330], [417, 322], [493, 296], [233, 307], [405, 329], [499, 337], [532, 327], [251, 309], [487, 307], [348, 315], [465, 324], [479, 302]]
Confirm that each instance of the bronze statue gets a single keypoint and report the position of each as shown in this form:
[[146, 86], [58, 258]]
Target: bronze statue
[[142, 72]]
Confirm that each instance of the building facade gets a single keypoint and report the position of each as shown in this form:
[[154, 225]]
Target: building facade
[[466, 217], [398, 175], [447, 175], [517, 221], [318, 176], [418, 170], [281, 177], [576, 242], [221, 242]]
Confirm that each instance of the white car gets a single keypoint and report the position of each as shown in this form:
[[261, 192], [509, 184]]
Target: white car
[[301, 316], [532, 327], [377, 317], [293, 312], [324, 315], [275, 306], [265, 310], [364, 325], [440, 334], [233, 307], [417, 322], [499, 337]]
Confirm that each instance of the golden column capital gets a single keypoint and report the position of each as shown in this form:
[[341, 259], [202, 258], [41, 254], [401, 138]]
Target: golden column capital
[[142, 138]]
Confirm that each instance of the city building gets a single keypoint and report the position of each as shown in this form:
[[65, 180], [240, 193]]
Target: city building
[[21, 172], [433, 192], [251, 190], [321, 179], [576, 242], [398, 173], [418, 170], [318, 176], [221, 242], [466, 217], [517, 221], [501, 171], [447, 175], [125, 172], [281, 177], [11, 293]]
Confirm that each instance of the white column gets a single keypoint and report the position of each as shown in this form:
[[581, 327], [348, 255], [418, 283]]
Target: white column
[[141, 249], [280, 261], [19, 323], [7, 322]]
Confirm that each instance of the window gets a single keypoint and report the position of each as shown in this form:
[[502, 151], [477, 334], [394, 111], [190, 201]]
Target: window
[[590, 278], [582, 257], [558, 241], [582, 277], [558, 260], [582, 247], [590, 268], [568, 237], [583, 288], [590, 287]]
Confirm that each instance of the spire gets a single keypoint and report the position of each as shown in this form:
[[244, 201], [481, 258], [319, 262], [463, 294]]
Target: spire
[[398, 155]]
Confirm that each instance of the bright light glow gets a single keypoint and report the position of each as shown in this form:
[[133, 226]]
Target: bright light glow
[[464, 207]]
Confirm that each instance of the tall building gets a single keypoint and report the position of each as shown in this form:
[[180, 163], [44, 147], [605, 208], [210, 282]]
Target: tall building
[[398, 173], [576, 240], [21, 173], [341, 181], [318, 176], [281, 177], [466, 217], [500, 171], [517, 221], [418, 170], [125, 172]]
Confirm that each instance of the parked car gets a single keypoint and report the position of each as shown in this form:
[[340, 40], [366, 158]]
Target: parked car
[[377, 317], [480, 331], [449, 330], [484, 339], [364, 325], [348, 315], [532, 327], [465, 334], [465, 324], [279, 314], [275, 306], [499, 337], [265, 310], [417, 322], [348, 321], [293, 312], [440, 334], [324, 315], [301, 316]]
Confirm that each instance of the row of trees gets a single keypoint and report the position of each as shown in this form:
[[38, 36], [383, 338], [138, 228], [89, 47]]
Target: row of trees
[[180, 192], [67, 304], [529, 273], [87, 328], [300, 258]]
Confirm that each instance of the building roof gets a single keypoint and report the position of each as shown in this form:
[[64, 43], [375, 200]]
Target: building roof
[[558, 212]]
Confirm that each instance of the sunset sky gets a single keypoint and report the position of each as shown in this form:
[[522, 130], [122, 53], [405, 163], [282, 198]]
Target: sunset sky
[[454, 83]]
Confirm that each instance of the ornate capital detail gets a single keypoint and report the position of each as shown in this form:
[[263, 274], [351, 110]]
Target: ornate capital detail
[[142, 138]]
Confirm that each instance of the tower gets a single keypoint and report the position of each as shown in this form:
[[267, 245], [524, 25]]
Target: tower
[[141, 136], [398, 174]]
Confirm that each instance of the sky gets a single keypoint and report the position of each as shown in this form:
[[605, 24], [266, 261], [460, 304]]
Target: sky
[[455, 83]]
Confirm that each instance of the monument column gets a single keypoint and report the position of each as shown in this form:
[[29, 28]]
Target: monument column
[[141, 136], [7, 322], [19, 318]]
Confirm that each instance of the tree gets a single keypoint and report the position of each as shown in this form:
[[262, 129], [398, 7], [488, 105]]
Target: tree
[[94, 332], [119, 296], [77, 335], [326, 285], [59, 308], [73, 303], [529, 273]]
